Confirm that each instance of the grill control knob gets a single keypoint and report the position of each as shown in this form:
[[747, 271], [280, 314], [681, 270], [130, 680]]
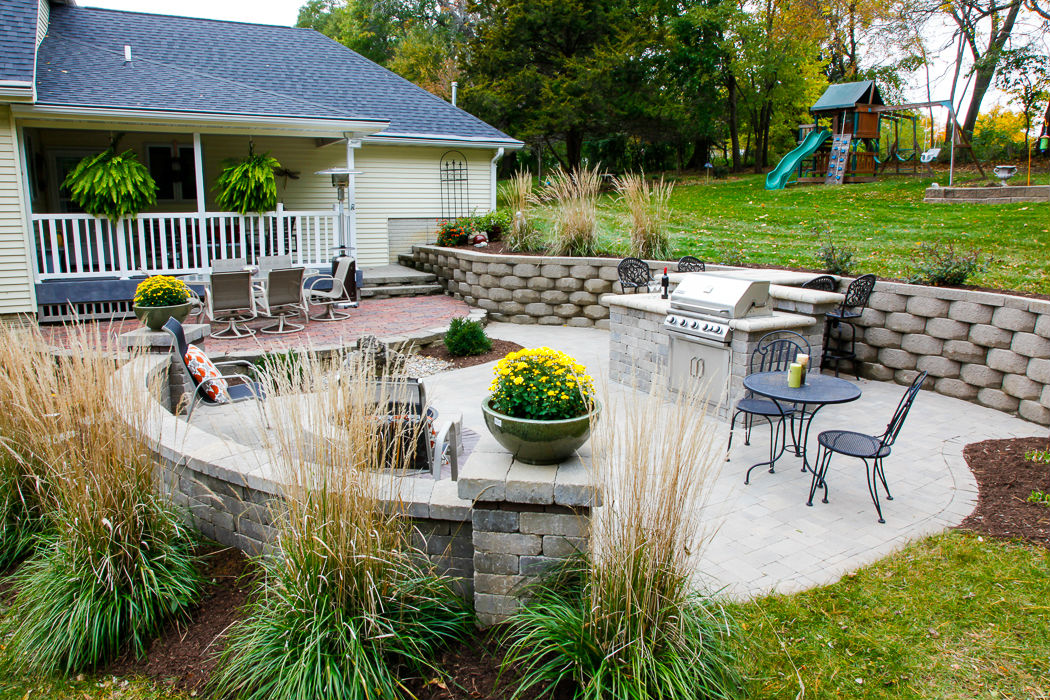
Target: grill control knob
[[695, 324]]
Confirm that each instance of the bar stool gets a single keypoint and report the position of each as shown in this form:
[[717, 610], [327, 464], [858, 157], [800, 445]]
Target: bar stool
[[836, 346]]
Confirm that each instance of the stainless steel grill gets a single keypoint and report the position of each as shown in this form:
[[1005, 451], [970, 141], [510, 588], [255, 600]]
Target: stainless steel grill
[[703, 305]]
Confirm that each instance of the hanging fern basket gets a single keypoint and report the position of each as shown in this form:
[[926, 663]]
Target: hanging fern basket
[[111, 185], [248, 185]]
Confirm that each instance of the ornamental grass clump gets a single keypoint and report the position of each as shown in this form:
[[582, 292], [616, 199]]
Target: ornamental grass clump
[[522, 234], [648, 207], [114, 564], [541, 384], [573, 197], [626, 620], [161, 290], [347, 608]]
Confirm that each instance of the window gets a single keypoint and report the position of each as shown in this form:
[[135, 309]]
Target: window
[[173, 169]]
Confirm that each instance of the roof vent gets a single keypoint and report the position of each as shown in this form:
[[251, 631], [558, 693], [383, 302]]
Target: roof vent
[[127, 54]]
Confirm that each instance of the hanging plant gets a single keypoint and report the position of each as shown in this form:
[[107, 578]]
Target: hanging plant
[[248, 185], [111, 185]]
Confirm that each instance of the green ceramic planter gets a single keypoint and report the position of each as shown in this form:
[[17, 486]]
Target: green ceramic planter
[[538, 441], [154, 317]]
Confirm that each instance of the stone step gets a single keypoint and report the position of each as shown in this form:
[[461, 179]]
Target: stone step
[[403, 290], [394, 276]]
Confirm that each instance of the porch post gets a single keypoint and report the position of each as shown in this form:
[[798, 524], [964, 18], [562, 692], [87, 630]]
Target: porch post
[[202, 224], [351, 196]]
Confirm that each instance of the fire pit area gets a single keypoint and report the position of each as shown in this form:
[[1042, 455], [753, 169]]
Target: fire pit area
[[703, 335]]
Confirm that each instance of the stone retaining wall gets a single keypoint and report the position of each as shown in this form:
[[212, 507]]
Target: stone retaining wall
[[989, 348], [988, 195]]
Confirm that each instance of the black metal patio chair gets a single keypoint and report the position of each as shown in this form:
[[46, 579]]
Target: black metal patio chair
[[837, 347], [688, 263], [635, 273], [823, 283], [775, 352], [866, 448]]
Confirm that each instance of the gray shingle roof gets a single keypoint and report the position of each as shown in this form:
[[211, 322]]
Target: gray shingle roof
[[17, 39], [189, 64]]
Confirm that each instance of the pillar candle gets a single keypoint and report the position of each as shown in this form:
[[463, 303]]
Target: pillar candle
[[795, 375]]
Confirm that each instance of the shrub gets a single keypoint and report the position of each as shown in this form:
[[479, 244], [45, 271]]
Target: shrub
[[941, 265], [574, 198], [495, 224], [161, 290], [647, 206], [248, 185], [466, 337], [116, 565], [346, 605], [453, 233], [625, 620], [836, 259], [541, 384], [111, 185]]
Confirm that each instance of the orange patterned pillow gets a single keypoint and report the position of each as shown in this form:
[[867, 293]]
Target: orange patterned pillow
[[202, 369]]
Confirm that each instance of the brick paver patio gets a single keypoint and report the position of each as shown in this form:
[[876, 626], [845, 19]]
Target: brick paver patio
[[380, 317]]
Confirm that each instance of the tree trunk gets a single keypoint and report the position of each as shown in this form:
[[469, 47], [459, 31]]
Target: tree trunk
[[734, 126], [573, 149], [987, 64], [701, 154]]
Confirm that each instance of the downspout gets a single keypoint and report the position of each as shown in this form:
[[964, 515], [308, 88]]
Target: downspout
[[492, 178]]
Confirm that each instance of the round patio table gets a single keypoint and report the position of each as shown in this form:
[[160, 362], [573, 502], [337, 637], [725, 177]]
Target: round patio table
[[818, 391]]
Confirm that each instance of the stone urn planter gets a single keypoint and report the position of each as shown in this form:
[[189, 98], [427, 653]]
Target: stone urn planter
[[539, 441], [154, 317]]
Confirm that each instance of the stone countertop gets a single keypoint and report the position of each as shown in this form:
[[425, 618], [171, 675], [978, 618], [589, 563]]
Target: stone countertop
[[642, 302], [778, 321], [805, 296]]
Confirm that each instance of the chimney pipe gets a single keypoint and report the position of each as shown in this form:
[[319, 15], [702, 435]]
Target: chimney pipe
[[455, 89], [127, 53]]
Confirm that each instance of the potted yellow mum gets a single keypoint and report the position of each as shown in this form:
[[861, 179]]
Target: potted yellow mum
[[542, 405], [159, 298]]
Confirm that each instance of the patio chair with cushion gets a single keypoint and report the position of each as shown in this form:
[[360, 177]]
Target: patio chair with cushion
[[332, 290], [774, 352], [687, 263], [282, 299], [838, 344], [634, 274], [822, 283], [210, 385], [873, 448], [231, 300]]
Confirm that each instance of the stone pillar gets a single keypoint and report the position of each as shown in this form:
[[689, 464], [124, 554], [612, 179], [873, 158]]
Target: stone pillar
[[525, 518], [161, 342]]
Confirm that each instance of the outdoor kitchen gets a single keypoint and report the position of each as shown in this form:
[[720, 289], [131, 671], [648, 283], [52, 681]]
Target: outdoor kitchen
[[703, 334]]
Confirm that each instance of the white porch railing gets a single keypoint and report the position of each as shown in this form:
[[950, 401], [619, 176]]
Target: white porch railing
[[80, 246]]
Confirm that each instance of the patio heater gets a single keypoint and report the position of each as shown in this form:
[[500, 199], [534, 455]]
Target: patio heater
[[346, 236]]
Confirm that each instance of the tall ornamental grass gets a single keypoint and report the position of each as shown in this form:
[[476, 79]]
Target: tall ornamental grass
[[626, 620], [346, 607], [648, 209], [573, 197], [114, 565], [517, 196]]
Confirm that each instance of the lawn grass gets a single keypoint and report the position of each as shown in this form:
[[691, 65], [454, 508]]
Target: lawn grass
[[739, 221], [87, 688], [952, 616]]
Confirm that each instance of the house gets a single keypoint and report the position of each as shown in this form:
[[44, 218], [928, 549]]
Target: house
[[185, 94]]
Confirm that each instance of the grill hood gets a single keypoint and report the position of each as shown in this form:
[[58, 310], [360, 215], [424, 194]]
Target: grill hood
[[722, 297]]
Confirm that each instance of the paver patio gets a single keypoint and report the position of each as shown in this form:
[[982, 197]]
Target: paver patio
[[763, 537]]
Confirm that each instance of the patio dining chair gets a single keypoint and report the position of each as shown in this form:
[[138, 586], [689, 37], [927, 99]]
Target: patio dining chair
[[231, 300], [869, 449], [283, 298], [837, 346], [634, 273], [229, 264], [269, 263], [341, 289], [822, 283], [774, 352], [688, 263], [210, 385]]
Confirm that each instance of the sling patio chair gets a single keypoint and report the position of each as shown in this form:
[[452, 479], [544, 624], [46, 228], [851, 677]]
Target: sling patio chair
[[283, 298], [231, 300], [229, 264], [333, 290]]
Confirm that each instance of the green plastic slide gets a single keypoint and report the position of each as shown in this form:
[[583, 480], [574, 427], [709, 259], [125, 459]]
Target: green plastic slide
[[777, 178]]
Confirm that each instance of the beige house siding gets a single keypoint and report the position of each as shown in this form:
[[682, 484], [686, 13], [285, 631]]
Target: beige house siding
[[16, 279]]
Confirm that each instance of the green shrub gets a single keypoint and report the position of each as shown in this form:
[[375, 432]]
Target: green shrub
[[466, 337], [496, 224], [248, 185], [111, 185], [453, 233], [836, 259], [941, 265]]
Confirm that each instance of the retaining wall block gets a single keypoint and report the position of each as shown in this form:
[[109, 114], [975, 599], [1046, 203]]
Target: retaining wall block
[[553, 296], [990, 336], [1042, 325], [526, 270], [927, 306], [947, 329], [905, 322], [597, 286], [582, 272], [1031, 345], [1007, 361], [523, 319], [956, 388], [540, 284], [551, 321], [526, 296], [512, 282], [980, 375], [568, 284], [905, 376], [1035, 412], [969, 312], [539, 309], [897, 359], [879, 373], [999, 400], [887, 301], [1039, 370], [964, 351], [596, 312], [608, 273], [882, 338], [1014, 319], [1021, 387], [922, 344], [582, 322], [938, 366]]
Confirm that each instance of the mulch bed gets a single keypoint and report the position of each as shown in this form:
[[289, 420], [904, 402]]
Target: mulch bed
[[1005, 479], [499, 349], [185, 655]]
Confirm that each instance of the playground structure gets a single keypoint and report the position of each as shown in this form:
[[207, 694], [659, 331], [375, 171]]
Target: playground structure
[[847, 150]]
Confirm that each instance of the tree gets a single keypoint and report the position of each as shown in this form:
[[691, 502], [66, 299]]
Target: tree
[[1025, 75], [372, 28]]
